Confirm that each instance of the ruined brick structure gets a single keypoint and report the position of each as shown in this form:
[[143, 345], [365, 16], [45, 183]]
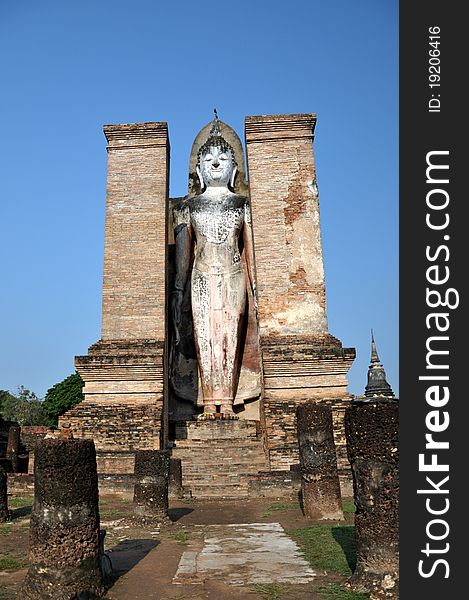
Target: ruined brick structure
[[127, 396], [301, 361]]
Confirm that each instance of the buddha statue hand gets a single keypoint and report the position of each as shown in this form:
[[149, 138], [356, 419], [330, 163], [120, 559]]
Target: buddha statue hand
[[176, 303], [254, 297]]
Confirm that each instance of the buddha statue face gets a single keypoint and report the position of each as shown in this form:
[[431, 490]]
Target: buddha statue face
[[217, 167]]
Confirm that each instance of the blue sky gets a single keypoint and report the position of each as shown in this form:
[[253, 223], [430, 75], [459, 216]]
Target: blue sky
[[68, 68]]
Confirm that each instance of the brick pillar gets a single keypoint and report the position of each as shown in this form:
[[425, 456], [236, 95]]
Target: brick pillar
[[287, 234], [372, 430], [301, 360], [3, 496], [125, 372], [64, 559], [319, 477], [13, 447], [151, 484], [134, 282]]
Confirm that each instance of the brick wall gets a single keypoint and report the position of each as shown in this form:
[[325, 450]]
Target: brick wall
[[31, 433]]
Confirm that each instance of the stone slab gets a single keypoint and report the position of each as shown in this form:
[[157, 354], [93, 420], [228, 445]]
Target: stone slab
[[241, 554]]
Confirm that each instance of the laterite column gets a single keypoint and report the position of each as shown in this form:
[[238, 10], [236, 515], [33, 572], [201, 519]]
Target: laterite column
[[64, 529], [3, 496], [13, 446], [319, 477], [151, 484], [175, 478], [372, 430]]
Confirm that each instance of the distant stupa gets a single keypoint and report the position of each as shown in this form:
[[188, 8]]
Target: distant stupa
[[377, 385]]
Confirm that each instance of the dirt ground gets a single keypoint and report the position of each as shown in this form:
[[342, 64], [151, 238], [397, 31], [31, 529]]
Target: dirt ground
[[145, 560]]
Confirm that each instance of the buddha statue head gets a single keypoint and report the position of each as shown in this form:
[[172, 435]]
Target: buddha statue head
[[216, 166]]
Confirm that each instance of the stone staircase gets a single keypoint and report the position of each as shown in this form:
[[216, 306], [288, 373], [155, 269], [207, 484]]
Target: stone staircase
[[217, 455]]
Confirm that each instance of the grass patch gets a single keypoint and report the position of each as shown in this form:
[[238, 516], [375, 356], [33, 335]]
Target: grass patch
[[182, 537], [334, 591], [20, 501], [329, 548], [12, 562], [5, 529], [269, 591], [7, 592], [278, 506], [20, 507], [189, 500], [348, 506]]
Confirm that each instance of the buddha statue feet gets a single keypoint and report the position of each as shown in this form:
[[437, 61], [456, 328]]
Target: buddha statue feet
[[212, 416]]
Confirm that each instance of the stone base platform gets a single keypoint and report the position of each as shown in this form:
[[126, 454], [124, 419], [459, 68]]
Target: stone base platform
[[218, 456]]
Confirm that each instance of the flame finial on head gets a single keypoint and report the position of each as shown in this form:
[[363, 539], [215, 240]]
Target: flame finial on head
[[215, 131], [215, 138]]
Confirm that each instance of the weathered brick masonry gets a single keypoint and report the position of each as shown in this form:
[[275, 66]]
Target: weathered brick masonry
[[301, 361], [134, 282]]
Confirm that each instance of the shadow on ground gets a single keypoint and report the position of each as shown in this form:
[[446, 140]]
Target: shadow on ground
[[19, 513], [127, 554], [177, 513], [345, 537]]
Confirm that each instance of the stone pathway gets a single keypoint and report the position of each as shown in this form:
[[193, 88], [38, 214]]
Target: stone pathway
[[242, 554]]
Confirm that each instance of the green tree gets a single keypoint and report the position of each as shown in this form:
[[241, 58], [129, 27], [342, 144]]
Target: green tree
[[4, 395], [62, 397], [25, 408]]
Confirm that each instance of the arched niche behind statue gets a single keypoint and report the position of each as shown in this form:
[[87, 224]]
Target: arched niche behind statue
[[183, 367]]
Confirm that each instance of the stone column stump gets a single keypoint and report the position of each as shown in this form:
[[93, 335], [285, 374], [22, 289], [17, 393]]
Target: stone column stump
[[318, 462], [3, 496], [13, 447], [372, 431], [151, 485], [64, 558], [175, 478]]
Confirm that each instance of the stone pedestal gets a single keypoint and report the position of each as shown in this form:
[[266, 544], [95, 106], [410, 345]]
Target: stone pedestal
[[3, 496], [64, 529], [151, 484], [372, 429], [301, 360], [125, 372], [319, 478]]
